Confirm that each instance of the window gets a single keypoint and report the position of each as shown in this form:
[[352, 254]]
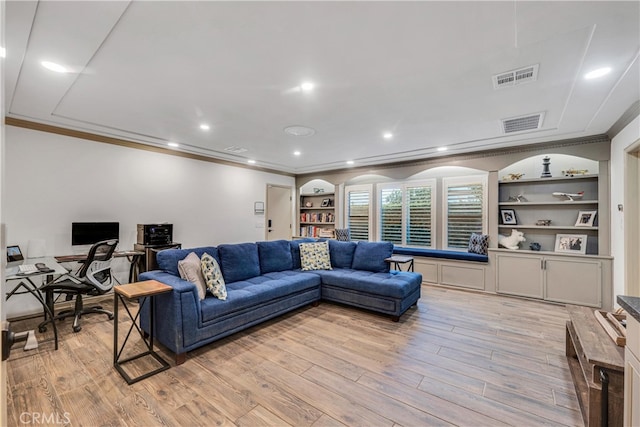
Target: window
[[406, 213], [358, 213], [465, 210]]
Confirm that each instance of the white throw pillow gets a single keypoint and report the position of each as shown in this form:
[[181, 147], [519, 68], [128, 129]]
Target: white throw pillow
[[191, 270]]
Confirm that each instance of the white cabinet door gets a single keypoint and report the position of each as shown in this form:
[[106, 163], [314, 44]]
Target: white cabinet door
[[519, 275], [573, 281], [632, 374]]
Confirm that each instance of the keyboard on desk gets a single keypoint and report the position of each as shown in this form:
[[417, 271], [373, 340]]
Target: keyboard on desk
[[27, 269]]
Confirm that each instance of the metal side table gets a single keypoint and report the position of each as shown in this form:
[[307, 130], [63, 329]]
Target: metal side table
[[146, 290]]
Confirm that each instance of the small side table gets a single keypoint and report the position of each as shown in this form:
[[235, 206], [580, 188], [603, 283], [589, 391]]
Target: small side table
[[397, 260], [146, 290]]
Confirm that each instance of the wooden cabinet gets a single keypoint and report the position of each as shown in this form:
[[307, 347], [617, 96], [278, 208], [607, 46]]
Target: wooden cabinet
[[317, 215], [597, 368], [572, 279], [533, 200]]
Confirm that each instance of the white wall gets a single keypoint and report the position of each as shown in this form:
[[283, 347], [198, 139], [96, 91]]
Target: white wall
[[624, 139], [53, 180]]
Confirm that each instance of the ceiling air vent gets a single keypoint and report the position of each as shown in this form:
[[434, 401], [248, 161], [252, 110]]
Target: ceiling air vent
[[235, 149], [516, 77], [523, 123]]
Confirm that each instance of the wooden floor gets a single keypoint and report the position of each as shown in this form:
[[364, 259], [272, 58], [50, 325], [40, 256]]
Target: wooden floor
[[459, 358]]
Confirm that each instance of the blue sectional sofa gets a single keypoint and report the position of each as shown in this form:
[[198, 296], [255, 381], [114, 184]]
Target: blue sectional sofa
[[265, 280]]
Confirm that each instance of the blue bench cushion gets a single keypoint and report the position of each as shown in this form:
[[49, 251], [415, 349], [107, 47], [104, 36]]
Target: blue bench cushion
[[256, 291], [370, 256], [239, 261], [437, 253], [275, 256], [393, 284], [168, 259], [341, 253]]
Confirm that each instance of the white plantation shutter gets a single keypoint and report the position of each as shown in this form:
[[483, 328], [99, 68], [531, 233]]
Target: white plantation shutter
[[419, 216], [358, 203], [406, 213], [464, 211], [391, 215]]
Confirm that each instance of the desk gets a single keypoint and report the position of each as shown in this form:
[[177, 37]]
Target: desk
[[396, 260], [135, 257], [146, 290], [28, 286]]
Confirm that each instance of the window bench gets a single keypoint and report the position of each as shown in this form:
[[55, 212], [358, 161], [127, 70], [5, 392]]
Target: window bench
[[450, 268]]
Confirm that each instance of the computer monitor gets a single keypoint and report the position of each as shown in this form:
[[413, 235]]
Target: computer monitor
[[88, 233]]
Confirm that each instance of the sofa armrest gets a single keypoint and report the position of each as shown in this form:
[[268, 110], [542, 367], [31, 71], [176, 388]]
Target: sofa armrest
[[175, 311]]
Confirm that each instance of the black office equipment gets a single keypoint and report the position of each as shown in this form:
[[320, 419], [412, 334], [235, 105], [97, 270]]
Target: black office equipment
[[155, 234], [88, 233]]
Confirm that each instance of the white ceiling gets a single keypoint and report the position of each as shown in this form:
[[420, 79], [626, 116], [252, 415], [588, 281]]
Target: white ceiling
[[152, 72]]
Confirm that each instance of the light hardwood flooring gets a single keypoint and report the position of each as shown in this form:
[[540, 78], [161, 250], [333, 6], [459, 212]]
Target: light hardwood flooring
[[459, 358]]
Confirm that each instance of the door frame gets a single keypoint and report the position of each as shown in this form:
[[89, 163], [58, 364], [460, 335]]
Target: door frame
[[631, 206]]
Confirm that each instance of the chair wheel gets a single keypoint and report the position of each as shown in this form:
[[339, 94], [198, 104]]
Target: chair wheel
[[42, 329], [77, 328]]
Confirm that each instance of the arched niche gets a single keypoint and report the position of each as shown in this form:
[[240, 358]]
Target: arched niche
[[446, 172], [559, 165], [369, 179], [316, 186]]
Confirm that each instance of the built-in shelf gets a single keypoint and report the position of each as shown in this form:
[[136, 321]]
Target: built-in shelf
[[562, 203], [547, 227], [317, 223], [317, 208], [558, 178]]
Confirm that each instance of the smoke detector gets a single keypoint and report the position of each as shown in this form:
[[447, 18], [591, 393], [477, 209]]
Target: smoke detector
[[299, 131]]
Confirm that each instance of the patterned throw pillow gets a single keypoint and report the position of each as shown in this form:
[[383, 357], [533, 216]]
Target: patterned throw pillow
[[315, 256], [213, 276], [479, 243]]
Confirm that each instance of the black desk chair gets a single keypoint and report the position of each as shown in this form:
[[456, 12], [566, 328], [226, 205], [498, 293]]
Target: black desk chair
[[93, 278]]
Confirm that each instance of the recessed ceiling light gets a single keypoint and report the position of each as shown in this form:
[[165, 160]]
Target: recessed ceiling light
[[205, 126], [350, 162], [597, 73], [387, 135], [442, 148], [296, 153], [54, 67], [307, 86], [3, 52], [173, 144], [299, 131], [251, 162]]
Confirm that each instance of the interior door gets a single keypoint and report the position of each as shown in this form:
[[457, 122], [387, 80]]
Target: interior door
[[278, 212]]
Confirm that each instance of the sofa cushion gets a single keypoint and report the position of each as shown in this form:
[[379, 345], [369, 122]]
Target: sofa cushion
[[168, 259], [191, 271], [479, 243], [253, 292], [394, 284], [275, 256], [239, 261], [370, 256], [213, 276], [315, 256], [341, 253], [295, 250]]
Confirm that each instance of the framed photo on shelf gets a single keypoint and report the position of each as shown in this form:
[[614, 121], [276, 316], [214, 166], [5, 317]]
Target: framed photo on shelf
[[326, 203], [585, 218], [508, 216], [571, 243]]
